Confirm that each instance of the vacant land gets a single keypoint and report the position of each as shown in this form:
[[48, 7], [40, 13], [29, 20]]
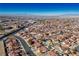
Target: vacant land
[[2, 50]]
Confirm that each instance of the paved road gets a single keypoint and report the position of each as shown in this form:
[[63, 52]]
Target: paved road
[[26, 47], [13, 32]]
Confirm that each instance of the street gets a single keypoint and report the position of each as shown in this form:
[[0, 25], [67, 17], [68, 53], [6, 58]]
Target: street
[[26, 47]]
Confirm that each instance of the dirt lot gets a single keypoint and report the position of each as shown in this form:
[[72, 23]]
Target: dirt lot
[[2, 51]]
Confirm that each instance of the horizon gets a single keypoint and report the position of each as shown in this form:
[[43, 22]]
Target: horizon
[[43, 14]]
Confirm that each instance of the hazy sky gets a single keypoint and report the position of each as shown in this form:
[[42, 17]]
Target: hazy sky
[[39, 8]]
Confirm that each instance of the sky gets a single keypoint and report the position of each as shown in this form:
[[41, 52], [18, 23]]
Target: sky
[[39, 8]]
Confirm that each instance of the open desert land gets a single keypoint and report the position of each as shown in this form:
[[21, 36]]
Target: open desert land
[[2, 49]]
